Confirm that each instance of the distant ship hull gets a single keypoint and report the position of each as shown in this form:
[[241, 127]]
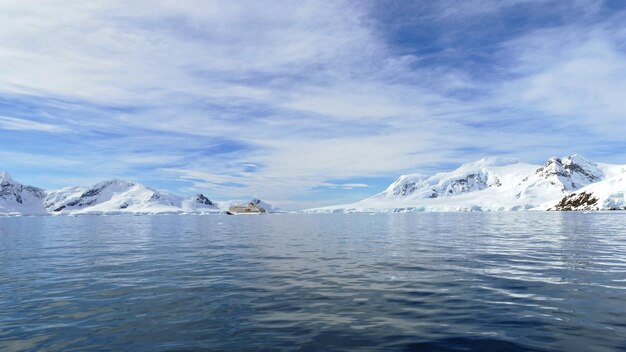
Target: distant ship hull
[[251, 209]]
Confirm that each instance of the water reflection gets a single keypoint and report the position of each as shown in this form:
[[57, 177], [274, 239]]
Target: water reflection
[[441, 281]]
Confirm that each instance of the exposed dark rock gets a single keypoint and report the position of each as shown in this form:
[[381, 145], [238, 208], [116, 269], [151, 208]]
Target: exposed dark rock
[[472, 182], [201, 199], [469, 183], [406, 188], [14, 191], [577, 201], [575, 168], [81, 202], [93, 192]]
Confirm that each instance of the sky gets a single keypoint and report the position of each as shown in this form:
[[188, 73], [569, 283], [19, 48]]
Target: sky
[[303, 103]]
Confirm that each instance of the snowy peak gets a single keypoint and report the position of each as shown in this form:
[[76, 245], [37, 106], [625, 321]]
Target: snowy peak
[[569, 173], [488, 162], [573, 167], [200, 199], [115, 182], [200, 204], [16, 198], [5, 177]]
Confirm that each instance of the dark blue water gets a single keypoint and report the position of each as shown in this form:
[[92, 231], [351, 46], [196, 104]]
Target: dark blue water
[[424, 282]]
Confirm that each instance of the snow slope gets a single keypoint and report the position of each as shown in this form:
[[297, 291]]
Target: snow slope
[[200, 204], [111, 197], [609, 194], [490, 184]]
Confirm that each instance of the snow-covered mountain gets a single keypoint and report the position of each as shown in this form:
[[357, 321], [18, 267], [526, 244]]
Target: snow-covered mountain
[[16, 198], [108, 197], [490, 184], [112, 196], [200, 204], [472, 177]]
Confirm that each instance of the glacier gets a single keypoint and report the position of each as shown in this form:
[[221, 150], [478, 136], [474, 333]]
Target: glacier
[[498, 184]]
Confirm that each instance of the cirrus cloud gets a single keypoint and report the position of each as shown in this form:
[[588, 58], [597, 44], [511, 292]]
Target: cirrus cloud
[[303, 103]]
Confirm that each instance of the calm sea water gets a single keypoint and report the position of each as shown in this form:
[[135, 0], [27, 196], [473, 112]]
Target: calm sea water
[[424, 282]]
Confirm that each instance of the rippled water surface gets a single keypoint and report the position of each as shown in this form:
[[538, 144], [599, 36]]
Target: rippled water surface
[[426, 282]]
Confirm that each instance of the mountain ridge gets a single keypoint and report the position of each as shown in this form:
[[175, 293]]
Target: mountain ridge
[[113, 196], [490, 184]]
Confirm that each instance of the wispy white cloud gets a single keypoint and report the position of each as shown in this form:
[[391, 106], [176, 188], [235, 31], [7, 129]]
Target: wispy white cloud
[[285, 100], [355, 185], [35, 159], [572, 74], [19, 124]]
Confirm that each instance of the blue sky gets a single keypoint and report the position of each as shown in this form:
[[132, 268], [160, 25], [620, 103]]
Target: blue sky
[[303, 103]]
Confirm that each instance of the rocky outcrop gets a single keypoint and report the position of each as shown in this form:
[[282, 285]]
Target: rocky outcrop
[[201, 199], [608, 194], [577, 201]]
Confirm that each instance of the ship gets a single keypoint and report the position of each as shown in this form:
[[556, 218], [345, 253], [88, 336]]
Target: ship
[[250, 209]]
